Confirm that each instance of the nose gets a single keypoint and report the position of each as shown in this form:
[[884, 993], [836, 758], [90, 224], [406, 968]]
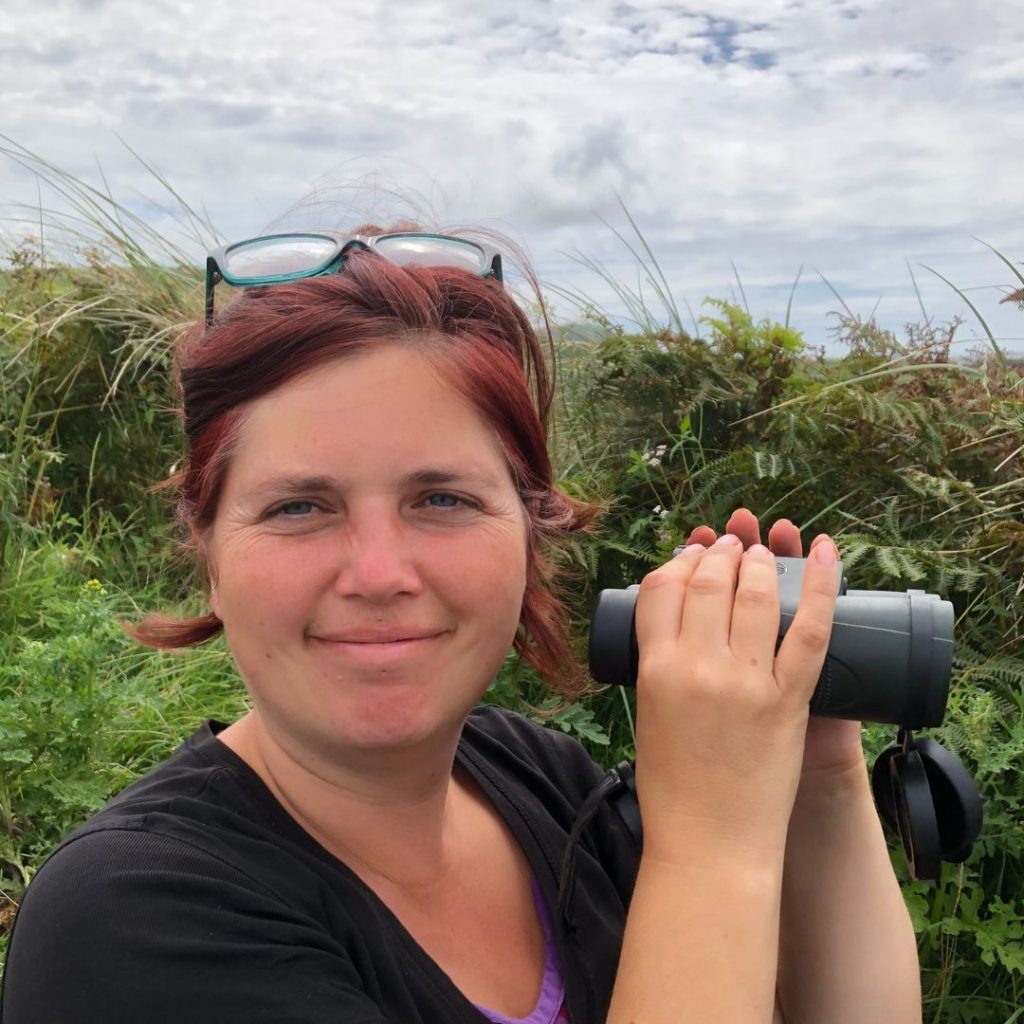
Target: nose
[[378, 560]]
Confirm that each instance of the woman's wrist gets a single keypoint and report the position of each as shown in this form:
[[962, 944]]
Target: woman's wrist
[[714, 854], [823, 785]]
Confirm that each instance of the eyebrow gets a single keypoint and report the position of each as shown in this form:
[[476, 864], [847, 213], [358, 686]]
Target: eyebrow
[[431, 477], [318, 484]]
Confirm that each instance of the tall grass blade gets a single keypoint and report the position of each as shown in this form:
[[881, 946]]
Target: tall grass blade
[[1013, 268], [792, 292], [665, 291], [739, 284], [917, 291], [991, 337], [839, 298], [658, 279], [887, 371]]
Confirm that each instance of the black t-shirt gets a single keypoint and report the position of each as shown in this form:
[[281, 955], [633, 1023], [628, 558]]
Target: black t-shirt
[[194, 896]]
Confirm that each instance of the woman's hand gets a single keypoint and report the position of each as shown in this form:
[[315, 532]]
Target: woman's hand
[[722, 718], [757, 837], [833, 746]]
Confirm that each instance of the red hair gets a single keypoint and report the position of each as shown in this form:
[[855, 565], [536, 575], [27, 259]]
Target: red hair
[[478, 339]]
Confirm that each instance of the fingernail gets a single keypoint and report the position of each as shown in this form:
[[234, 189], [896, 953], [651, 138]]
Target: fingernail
[[693, 547], [758, 549], [727, 538], [825, 553]]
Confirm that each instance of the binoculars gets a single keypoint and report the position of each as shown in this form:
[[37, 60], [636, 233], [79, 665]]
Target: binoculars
[[889, 660], [889, 655]]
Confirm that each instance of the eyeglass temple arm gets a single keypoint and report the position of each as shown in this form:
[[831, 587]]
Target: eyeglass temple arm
[[213, 278]]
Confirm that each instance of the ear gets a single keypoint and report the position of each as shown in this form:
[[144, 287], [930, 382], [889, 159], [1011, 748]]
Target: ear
[[206, 564], [215, 599]]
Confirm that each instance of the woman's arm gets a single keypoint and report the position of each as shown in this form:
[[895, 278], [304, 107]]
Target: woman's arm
[[847, 951], [721, 722], [701, 940]]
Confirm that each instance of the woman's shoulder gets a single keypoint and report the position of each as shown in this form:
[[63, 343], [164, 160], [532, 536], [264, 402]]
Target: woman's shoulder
[[170, 819], [190, 865], [201, 814], [145, 923], [195, 783]]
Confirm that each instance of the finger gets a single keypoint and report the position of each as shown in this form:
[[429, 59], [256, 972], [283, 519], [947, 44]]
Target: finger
[[743, 524], [702, 535], [784, 540], [802, 653], [659, 604], [755, 615], [824, 538], [707, 611]]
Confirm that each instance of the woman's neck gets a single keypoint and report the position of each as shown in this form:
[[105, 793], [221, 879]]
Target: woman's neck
[[392, 817]]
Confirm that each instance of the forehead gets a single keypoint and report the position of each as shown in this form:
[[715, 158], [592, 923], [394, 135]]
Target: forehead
[[389, 405]]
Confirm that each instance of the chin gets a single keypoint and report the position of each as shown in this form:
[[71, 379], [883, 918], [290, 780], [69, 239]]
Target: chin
[[391, 725]]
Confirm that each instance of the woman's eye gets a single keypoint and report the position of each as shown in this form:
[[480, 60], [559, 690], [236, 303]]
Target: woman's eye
[[293, 509], [442, 499]]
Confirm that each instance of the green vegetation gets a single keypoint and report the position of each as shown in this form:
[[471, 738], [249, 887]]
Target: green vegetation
[[911, 459]]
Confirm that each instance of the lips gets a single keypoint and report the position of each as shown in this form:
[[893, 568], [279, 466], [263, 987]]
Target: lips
[[385, 636], [378, 648]]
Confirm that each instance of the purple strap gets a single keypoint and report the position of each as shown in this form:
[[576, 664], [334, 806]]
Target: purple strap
[[552, 989]]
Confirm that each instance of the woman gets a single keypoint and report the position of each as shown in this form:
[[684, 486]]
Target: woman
[[368, 490]]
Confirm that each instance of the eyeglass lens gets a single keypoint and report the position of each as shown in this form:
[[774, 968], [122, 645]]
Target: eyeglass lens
[[432, 252], [271, 257]]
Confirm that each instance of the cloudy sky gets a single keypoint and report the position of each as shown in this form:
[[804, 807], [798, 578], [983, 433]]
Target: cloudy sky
[[850, 137]]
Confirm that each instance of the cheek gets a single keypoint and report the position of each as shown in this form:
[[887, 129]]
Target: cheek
[[265, 586], [498, 577]]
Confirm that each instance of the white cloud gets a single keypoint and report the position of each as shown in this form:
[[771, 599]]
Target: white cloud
[[850, 137]]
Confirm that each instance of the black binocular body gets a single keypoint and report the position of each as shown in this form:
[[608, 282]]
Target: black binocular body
[[889, 656]]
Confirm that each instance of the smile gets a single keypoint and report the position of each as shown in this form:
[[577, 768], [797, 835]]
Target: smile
[[376, 650], [380, 636]]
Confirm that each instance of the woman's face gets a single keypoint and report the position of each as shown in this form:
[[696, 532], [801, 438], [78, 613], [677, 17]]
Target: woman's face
[[368, 556]]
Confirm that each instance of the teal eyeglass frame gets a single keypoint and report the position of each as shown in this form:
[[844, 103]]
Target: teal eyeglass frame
[[490, 258]]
